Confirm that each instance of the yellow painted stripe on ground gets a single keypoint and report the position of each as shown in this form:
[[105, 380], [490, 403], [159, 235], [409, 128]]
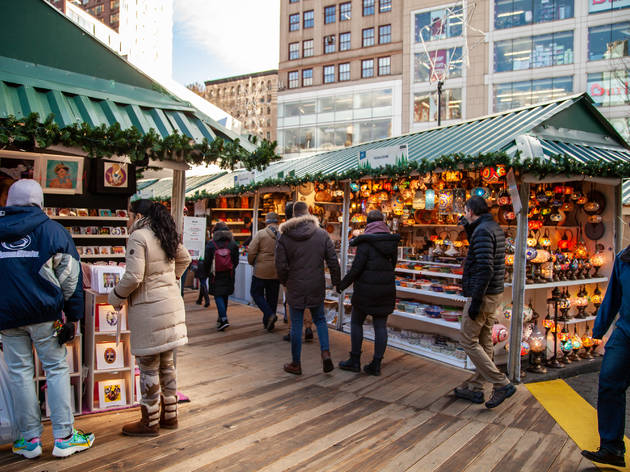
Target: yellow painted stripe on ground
[[574, 414]]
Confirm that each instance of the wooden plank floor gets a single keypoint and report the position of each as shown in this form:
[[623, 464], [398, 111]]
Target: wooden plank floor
[[246, 414]]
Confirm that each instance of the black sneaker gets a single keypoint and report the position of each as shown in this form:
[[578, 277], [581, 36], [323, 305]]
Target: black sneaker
[[604, 456], [271, 323], [218, 322], [470, 395], [222, 325], [286, 337], [308, 334], [500, 394]]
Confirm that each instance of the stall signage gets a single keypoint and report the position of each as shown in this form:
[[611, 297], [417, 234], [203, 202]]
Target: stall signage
[[243, 178], [194, 238], [390, 155], [595, 6]]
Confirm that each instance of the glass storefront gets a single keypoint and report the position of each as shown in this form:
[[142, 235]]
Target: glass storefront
[[534, 52], [598, 6], [608, 41], [609, 88], [437, 24], [519, 94], [442, 59], [425, 106], [512, 13]]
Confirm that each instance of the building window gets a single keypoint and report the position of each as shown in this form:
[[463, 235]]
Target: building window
[[345, 11], [113, 4], [384, 34], [608, 41], [294, 22], [511, 13], [609, 88], [330, 44], [384, 6], [368, 7], [368, 37], [344, 71], [294, 79], [330, 14], [520, 94], [329, 74], [344, 41], [307, 77], [425, 106], [113, 18], [447, 63], [294, 1], [98, 9], [534, 52], [309, 19], [307, 48], [439, 24], [599, 6], [294, 51], [384, 65], [367, 68]]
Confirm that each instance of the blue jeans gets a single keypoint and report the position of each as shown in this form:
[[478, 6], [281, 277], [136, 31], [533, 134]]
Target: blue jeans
[[18, 354], [614, 379], [265, 295], [297, 318], [221, 302]]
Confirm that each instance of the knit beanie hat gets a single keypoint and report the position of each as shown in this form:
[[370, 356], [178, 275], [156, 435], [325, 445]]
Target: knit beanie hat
[[25, 192]]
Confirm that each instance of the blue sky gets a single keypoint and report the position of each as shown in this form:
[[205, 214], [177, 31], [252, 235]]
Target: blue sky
[[213, 39]]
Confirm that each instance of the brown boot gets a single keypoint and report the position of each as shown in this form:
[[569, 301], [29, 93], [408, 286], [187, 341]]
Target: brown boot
[[168, 417], [293, 368], [327, 362], [149, 424]]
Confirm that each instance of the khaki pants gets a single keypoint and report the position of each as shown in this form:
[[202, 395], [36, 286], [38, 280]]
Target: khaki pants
[[476, 339]]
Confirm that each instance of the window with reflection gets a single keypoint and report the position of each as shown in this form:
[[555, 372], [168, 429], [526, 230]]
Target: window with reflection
[[330, 14], [345, 11], [533, 52], [294, 51], [512, 13], [622, 125], [438, 60], [425, 105], [307, 48], [368, 37], [608, 41], [307, 77], [598, 6], [330, 44], [309, 19], [437, 24], [519, 94], [325, 104], [329, 74], [384, 34], [367, 68], [344, 71], [344, 42], [609, 88], [368, 7], [384, 65], [294, 79], [294, 22]]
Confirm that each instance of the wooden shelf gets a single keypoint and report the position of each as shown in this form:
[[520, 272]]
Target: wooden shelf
[[90, 218], [328, 203], [430, 273], [232, 209], [111, 371], [99, 236], [429, 293], [428, 319], [564, 283], [102, 256]]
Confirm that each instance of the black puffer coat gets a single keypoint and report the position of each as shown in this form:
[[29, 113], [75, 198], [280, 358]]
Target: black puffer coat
[[484, 267], [300, 254], [373, 275], [222, 283]]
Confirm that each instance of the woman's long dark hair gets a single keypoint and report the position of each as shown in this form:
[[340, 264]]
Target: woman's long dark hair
[[161, 222]]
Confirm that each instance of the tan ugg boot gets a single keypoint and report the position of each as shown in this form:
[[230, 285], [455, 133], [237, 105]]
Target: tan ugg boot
[[168, 417], [149, 424]]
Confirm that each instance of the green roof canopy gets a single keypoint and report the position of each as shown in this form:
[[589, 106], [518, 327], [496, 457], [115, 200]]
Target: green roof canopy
[[161, 188]]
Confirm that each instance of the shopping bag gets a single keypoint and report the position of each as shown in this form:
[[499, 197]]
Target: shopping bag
[[8, 425]]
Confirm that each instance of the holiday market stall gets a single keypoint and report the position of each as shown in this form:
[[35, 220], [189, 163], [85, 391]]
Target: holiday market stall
[[551, 174]]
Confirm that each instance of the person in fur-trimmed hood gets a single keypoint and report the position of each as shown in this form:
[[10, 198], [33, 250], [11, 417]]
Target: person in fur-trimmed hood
[[302, 249], [372, 273]]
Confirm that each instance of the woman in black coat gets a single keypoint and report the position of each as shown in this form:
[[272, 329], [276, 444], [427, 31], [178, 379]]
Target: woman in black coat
[[372, 273], [221, 283]]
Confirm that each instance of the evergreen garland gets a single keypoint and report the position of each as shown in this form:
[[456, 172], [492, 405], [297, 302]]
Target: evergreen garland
[[102, 141]]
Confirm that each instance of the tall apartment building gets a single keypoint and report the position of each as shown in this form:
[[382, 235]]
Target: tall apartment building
[[495, 55], [340, 73], [250, 98], [139, 30]]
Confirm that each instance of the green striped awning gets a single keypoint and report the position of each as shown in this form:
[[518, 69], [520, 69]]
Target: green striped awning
[[585, 153], [162, 188]]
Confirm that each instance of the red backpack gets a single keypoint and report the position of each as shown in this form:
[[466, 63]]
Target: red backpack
[[222, 259]]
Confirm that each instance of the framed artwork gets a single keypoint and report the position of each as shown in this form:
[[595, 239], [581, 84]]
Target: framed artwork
[[110, 356], [107, 318], [114, 177], [16, 166], [115, 174], [105, 278], [112, 393], [62, 174]]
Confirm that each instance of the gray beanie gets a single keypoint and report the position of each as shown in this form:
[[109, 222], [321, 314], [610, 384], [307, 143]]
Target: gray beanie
[[271, 217], [25, 192]]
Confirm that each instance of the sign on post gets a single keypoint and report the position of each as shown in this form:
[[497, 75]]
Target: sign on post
[[194, 238], [390, 155], [243, 178]]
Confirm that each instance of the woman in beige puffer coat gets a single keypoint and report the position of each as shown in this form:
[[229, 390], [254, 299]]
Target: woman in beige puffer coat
[[155, 260]]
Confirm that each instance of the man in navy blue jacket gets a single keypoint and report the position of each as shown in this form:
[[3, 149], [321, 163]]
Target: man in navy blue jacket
[[40, 276], [614, 376]]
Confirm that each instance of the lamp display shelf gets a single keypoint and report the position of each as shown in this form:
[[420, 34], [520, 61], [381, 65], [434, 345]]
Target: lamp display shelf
[[329, 203], [429, 273], [241, 234], [564, 283], [100, 236], [429, 293], [103, 256], [577, 320], [441, 264], [90, 218], [427, 319], [230, 223]]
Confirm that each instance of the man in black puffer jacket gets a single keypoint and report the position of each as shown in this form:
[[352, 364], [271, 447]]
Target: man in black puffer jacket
[[484, 270], [374, 289]]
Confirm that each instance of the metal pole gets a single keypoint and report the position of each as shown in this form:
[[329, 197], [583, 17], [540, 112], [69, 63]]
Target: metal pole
[[255, 216], [345, 227], [618, 229], [518, 288], [439, 93]]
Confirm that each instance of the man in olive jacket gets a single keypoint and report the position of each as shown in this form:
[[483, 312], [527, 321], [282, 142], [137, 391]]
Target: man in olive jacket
[[302, 249], [482, 281]]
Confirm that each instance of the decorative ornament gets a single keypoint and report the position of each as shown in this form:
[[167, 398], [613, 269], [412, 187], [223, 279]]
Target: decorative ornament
[[493, 175]]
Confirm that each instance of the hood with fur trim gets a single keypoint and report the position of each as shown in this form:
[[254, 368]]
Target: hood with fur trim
[[300, 228]]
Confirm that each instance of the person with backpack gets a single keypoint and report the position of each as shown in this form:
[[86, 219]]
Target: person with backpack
[[220, 263], [261, 253]]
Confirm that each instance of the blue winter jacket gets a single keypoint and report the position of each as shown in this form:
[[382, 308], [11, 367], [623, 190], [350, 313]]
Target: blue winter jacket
[[40, 272], [617, 298]]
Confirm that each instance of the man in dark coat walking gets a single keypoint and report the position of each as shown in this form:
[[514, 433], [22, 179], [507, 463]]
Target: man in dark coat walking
[[372, 273], [302, 249], [482, 281]]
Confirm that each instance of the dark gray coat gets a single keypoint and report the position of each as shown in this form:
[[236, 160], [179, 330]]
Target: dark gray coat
[[302, 249]]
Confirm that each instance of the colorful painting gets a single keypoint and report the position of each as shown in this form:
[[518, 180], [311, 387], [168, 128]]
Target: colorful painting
[[63, 175], [115, 175], [17, 168]]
